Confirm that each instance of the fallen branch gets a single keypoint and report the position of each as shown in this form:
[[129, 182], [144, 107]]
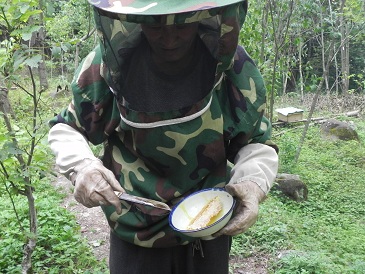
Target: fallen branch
[[320, 119]]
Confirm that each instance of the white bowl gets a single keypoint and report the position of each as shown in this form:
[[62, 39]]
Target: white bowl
[[182, 214]]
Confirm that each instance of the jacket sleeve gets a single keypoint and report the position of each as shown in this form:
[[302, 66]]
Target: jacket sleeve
[[69, 146], [91, 116], [257, 163], [249, 145], [93, 110]]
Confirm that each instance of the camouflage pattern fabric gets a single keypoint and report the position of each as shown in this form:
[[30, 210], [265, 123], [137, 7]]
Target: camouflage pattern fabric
[[165, 156]]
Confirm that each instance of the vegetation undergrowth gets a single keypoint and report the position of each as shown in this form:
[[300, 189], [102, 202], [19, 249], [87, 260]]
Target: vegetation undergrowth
[[324, 234], [60, 248]]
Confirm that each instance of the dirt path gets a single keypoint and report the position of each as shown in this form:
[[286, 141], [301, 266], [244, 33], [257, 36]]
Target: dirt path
[[95, 229], [92, 221]]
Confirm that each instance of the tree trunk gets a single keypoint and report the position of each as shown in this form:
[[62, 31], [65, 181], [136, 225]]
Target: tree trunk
[[37, 42], [324, 62], [5, 104], [32, 239], [301, 80], [323, 55], [280, 29], [336, 83], [43, 80], [345, 71], [263, 34], [77, 53], [285, 80], [314, 103]]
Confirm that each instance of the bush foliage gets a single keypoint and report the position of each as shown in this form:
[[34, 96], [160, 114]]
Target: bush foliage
[[324, 234]]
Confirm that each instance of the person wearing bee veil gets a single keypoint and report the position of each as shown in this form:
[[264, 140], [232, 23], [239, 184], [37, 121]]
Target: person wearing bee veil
[[178, 106]]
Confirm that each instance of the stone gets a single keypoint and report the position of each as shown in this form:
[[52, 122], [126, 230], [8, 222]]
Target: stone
[[338, 130], [291, 186]]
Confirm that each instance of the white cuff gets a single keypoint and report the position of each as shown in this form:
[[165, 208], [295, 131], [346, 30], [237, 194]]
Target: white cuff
[[69, 146], [257, 163]]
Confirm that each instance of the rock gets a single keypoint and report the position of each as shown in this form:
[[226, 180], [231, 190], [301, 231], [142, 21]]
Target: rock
[[338, 130], [291, 186], [59, 92]]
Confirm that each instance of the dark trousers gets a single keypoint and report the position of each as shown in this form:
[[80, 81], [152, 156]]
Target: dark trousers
[[201, 257]]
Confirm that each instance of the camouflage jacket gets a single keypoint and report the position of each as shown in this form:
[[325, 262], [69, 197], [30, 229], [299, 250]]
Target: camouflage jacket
[[166, 156]]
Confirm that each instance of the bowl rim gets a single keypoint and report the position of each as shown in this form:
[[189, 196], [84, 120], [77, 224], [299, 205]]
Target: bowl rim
[[193, 194]]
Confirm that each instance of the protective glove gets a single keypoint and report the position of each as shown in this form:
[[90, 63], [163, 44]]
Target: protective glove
[[95, 184], [248, 195]]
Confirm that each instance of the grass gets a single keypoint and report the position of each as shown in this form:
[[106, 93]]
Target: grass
[[324, 234], [60, 247]]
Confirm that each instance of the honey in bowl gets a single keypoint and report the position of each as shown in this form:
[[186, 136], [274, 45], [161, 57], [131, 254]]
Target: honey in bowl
[[207, 215]]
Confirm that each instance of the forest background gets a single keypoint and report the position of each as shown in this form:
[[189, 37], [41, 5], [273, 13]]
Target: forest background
[[311, 54]]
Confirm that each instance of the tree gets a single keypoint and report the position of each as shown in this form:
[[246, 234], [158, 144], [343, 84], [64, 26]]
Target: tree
[[17, 169], [344, 49], [37, 42], [68, 35], [280, 16]]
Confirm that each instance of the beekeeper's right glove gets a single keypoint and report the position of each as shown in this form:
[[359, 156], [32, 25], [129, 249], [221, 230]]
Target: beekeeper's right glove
[[94, 183]]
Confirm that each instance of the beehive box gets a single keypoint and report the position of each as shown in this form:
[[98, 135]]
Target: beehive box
[[289, 114]]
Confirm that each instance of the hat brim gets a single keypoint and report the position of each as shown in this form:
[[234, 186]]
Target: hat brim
[[160, 7]]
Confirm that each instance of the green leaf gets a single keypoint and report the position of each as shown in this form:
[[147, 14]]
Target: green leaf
[[34, 61], [25, 16], [65, 47], [9, 148], [18, 59], [56, 51], [26, 32], [24, 8]]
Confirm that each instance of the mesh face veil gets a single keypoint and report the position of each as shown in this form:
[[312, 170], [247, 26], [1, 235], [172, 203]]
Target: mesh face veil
[[118, 25]]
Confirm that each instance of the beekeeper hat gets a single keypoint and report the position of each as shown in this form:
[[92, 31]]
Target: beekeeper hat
[[160, 7]]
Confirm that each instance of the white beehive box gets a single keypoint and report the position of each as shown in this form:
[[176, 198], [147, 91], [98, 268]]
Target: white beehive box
[[289, 114]]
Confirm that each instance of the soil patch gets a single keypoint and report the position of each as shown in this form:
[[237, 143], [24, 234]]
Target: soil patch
[[93, 224]]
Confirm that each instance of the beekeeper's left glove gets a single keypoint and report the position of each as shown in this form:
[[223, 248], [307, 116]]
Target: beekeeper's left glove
[[248, 195]]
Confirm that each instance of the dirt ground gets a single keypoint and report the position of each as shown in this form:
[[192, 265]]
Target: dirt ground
[[93, 224], [96, 230]]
